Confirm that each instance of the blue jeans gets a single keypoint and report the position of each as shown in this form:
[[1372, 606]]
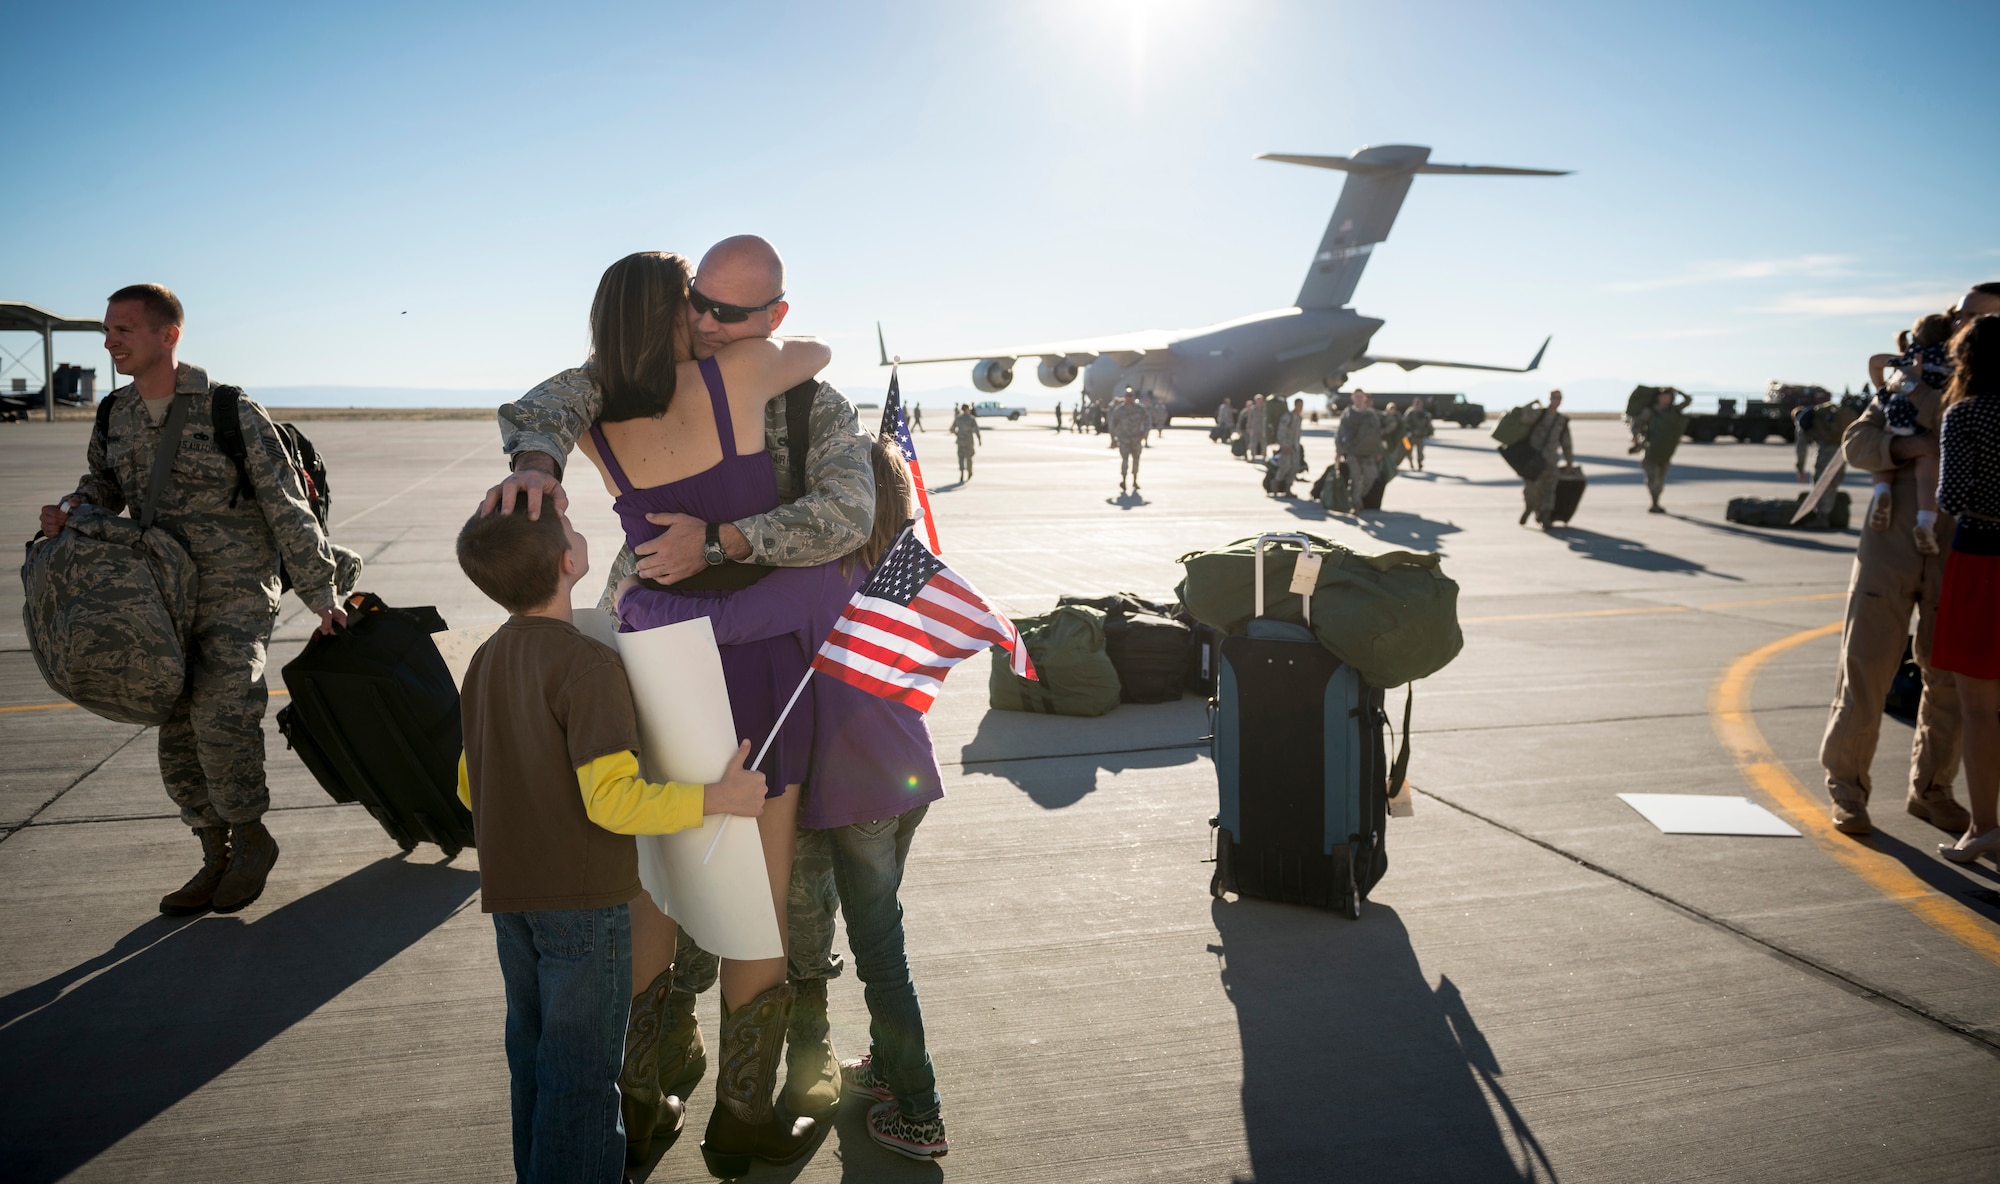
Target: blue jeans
[[868, 860], [568, 975]]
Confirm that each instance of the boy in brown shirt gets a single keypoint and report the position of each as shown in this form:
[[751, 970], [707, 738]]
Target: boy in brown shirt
[[551, 775]]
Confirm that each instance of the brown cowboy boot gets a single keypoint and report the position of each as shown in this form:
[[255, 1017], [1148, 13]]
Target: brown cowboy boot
[[683, 1058], [812, 1070], [648, 1112], [745, 1124], [252, 852], [197, 894]]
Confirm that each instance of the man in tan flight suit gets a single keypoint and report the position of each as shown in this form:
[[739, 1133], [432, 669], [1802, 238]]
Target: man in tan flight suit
[[1890, 581]]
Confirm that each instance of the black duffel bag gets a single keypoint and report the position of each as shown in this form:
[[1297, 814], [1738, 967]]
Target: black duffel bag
[[1526, 459], [1147, 645]]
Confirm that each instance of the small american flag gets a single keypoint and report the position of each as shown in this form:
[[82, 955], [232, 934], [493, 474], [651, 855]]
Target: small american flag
[[910, 624], [895, 424]]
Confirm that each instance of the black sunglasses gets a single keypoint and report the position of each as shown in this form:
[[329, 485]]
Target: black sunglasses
[[728, 314]]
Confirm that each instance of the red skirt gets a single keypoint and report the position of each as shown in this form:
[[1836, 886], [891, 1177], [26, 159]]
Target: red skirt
[[1967, 638]]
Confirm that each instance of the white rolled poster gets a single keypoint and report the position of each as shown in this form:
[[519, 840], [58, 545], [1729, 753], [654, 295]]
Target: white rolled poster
[[686, 733]]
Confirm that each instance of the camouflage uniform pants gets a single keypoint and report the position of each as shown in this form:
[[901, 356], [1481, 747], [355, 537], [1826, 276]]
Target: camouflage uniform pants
[[1540, 493], [1417, 450], [212, 747], [1656, 477], [1128, 458], [965, 459], [808, 923], [1361, 476]]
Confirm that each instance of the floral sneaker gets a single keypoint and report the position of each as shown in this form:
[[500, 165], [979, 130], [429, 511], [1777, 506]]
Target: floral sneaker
[[860, 1077], [917, 1138]]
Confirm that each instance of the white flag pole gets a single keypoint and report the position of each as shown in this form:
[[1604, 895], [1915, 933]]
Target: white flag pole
[[759, 758]]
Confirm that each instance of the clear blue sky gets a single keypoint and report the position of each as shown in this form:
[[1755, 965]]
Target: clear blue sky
[[424, 195]]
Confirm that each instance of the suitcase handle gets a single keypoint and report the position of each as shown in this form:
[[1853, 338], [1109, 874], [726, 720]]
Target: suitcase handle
[[1305, 548]]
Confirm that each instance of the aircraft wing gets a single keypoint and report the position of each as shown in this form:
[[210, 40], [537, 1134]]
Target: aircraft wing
[[1413, 363], [1126, 348]]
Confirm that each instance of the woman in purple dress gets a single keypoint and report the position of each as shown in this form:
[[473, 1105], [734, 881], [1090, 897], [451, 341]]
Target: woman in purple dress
[[677, 435]]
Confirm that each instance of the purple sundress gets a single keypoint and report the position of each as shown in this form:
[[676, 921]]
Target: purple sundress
[[760, 675]]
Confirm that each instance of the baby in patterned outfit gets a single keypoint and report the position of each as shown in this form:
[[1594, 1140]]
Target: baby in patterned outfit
[[1921, 360]]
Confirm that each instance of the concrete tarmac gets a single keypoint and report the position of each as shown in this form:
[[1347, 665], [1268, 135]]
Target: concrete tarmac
[[1543, 987]]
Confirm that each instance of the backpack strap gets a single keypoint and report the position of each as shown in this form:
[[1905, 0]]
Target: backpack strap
[[226, 410], [104, 415], [163, 459], [798, 431], [1401, 768]]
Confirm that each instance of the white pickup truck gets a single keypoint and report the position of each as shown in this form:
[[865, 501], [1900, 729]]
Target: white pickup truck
[[982, 410]]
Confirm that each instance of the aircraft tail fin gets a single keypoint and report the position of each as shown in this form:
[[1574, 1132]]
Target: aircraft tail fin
[[1378, 179]]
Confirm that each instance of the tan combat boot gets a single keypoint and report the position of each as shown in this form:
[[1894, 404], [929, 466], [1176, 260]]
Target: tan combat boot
[[812, 1070], [1936, 806], [197, 894], [648, 1112], [1850, 815], [252, 853], [746, 1124], [682, 1056]]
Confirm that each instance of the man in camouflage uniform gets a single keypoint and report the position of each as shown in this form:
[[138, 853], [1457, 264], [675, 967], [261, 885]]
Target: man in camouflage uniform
[[1358, 443], [1417, 428], [1129, 425], [818, 524], [1659, 429], [212, 746], [1549, 433], [1252, 421], [965, 426], [1817, 429]]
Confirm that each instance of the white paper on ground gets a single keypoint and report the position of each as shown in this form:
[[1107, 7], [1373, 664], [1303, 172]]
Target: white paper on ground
[[686, 733], [1707, 814]]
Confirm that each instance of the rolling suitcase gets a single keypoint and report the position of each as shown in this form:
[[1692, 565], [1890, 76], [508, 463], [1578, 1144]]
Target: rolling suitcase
[[1301, 766], [374, 717], [1570, 483]]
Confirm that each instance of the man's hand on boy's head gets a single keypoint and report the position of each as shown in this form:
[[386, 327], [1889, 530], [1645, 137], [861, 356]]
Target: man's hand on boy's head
[[534, 479], [741, 790]]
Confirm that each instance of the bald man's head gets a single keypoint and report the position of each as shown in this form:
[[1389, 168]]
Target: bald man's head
[[743, 270]]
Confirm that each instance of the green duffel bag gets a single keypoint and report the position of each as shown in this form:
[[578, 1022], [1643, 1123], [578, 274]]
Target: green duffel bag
[[1391, 616], [1514, 426], [1641, 398], [1074, 675], [1332, 492], [108, 606]]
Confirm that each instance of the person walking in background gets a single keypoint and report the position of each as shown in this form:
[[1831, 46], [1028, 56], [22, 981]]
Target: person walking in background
[[1129, 425], [1253, 429], [1291, 451], [1659, 430], [1967, 643], [1417, 428], [1156, 414], [965, 426], [1225, 420], [1058, 419], [917, 417], [1892, 580], [1357, 443], [1549, 434], [1816, 430]]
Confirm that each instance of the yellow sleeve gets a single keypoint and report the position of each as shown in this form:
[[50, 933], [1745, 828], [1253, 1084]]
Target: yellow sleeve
[[616, 799], [464, 783]]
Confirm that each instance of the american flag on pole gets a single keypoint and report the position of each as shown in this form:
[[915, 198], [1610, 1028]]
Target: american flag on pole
[[895, 424], [910, 624]]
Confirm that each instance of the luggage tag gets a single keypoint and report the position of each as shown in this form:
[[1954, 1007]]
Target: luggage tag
[[1402, 805], [1305, 574]]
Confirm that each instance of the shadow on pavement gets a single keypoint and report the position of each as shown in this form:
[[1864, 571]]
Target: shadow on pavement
[[1135, 736], [1606, 548], [1354, 1068], [178, 1003], [1949, 879], [1777, 537]]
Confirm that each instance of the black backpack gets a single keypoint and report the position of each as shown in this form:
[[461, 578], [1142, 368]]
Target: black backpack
[[227, 412]]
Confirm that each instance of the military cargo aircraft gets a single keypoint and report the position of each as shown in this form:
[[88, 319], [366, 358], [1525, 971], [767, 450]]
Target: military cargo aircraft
[[1310, 347]]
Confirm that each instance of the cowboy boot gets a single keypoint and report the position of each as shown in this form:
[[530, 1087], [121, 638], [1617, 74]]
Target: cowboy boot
[[252, 853], [812, 1070], [745, 1125], [683, 1058], [197, 894], [647, 1111]]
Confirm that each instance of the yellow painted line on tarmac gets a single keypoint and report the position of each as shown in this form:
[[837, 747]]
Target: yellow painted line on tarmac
[[67, 706], [1730, 713], [1653, 610]]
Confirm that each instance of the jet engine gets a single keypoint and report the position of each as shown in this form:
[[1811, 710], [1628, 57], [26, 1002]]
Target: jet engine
[[1056, 372], [993, 375]]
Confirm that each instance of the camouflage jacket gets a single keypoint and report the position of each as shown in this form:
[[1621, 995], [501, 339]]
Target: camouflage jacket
[[236, 541], [965, 425], [1129, 425], [1360, 433], [817, 525], [1417, 424]]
